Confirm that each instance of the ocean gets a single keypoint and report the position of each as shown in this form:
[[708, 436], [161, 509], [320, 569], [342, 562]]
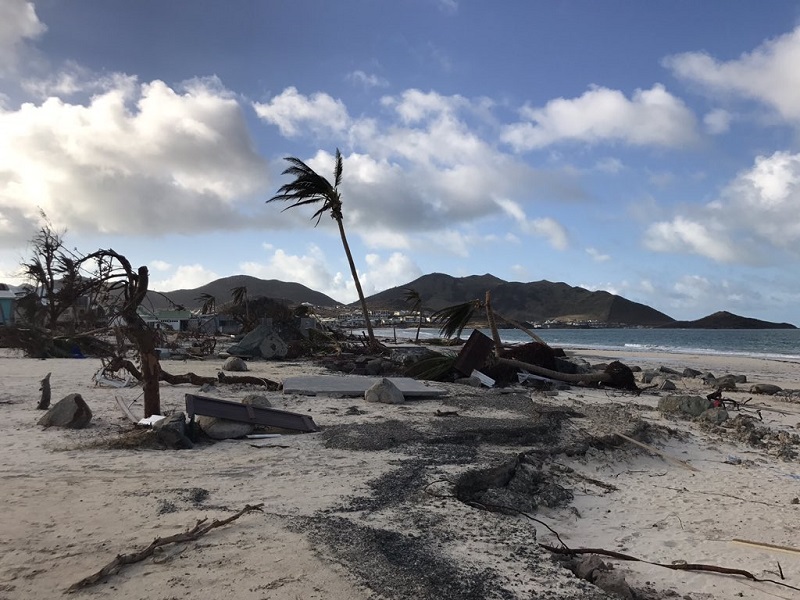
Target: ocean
[[756, 343]]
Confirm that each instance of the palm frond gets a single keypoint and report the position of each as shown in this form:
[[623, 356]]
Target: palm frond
[[337, 170], [453, 319], [432, 369]]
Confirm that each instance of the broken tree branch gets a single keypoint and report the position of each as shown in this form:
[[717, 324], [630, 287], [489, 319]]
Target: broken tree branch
[[674, 567], [44, 387], [200, 529]]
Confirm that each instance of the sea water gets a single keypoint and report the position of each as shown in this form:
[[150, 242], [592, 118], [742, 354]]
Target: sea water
[[757, 343]]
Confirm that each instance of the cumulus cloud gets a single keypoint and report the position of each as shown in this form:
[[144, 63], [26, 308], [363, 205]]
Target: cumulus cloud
[[768, 74], [682, 235], [186, 277], [312, 270], [18, 24], [754, 219], [651, 117], [135, 158], [291, 112], [424, 169]]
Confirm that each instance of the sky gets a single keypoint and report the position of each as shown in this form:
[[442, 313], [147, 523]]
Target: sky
[[650, 149]]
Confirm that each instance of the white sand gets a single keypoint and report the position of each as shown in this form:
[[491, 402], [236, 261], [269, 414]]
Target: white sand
[[68, 509]]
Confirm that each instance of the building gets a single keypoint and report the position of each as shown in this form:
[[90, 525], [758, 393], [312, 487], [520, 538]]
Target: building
[[7, 304]]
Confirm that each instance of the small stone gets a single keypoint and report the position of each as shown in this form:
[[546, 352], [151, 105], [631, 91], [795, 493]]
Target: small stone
[[795, 500], [384, 391], [234, 363]]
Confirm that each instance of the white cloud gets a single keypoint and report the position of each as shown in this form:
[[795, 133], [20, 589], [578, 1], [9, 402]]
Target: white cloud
[[312, 270], [133, 159], [754, 216], [765, 201], [768, 74], [384, 273], [159, 265], [682, 235], [186, 277], [367, 80], [651, 117], [717, 121], [426, 169], [597, 255], [548, 228], [18, 24], [291, 111]]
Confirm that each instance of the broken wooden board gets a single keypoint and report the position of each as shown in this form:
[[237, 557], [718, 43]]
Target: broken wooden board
[[248, 413]]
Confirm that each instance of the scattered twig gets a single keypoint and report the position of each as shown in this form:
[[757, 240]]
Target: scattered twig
[[446, 413], [666, 457], [200, 529], [674, 566], [666, 487], [762, 545]]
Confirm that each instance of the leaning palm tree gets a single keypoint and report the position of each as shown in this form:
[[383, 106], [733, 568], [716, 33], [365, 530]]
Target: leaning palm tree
[[309, 187]]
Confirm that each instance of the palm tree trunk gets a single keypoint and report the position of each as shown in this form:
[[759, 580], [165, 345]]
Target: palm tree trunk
[[370, 334], [498, 344]]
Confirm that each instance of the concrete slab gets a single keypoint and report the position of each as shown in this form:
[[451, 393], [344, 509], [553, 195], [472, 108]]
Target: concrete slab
[[356, 385]]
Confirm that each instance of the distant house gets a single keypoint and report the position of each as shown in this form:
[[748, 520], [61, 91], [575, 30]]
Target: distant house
[[7, 301]]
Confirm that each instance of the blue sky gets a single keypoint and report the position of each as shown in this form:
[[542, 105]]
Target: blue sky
[[650, 149]]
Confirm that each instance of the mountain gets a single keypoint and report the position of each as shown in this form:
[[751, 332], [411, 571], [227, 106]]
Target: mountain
[[726, 320], [535, 301], [293, 293]]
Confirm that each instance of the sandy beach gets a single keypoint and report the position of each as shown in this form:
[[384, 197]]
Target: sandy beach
[[366, 509]]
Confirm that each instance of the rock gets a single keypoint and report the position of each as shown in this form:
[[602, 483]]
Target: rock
[[614, 584], [667, 370], [384, 391], [764, 388], [726, 382], [272, 346], [588, 565], [715, 415], [687, 372], [257, 400], [648, 376], [740, 378], [374, 366], [665, 384], [234, 363], [223, 429], [693, 406], [171, 431], [70, 412]]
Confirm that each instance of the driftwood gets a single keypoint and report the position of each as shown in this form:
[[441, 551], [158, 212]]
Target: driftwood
[[44, 387], [200, 529], [764, 545], [192, 378], [681, 566]]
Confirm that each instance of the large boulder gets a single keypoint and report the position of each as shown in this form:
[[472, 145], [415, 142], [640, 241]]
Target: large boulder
[[234, 363], [692, 406], [70, 412], [384, 391], [764, 388], [262, 342]]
